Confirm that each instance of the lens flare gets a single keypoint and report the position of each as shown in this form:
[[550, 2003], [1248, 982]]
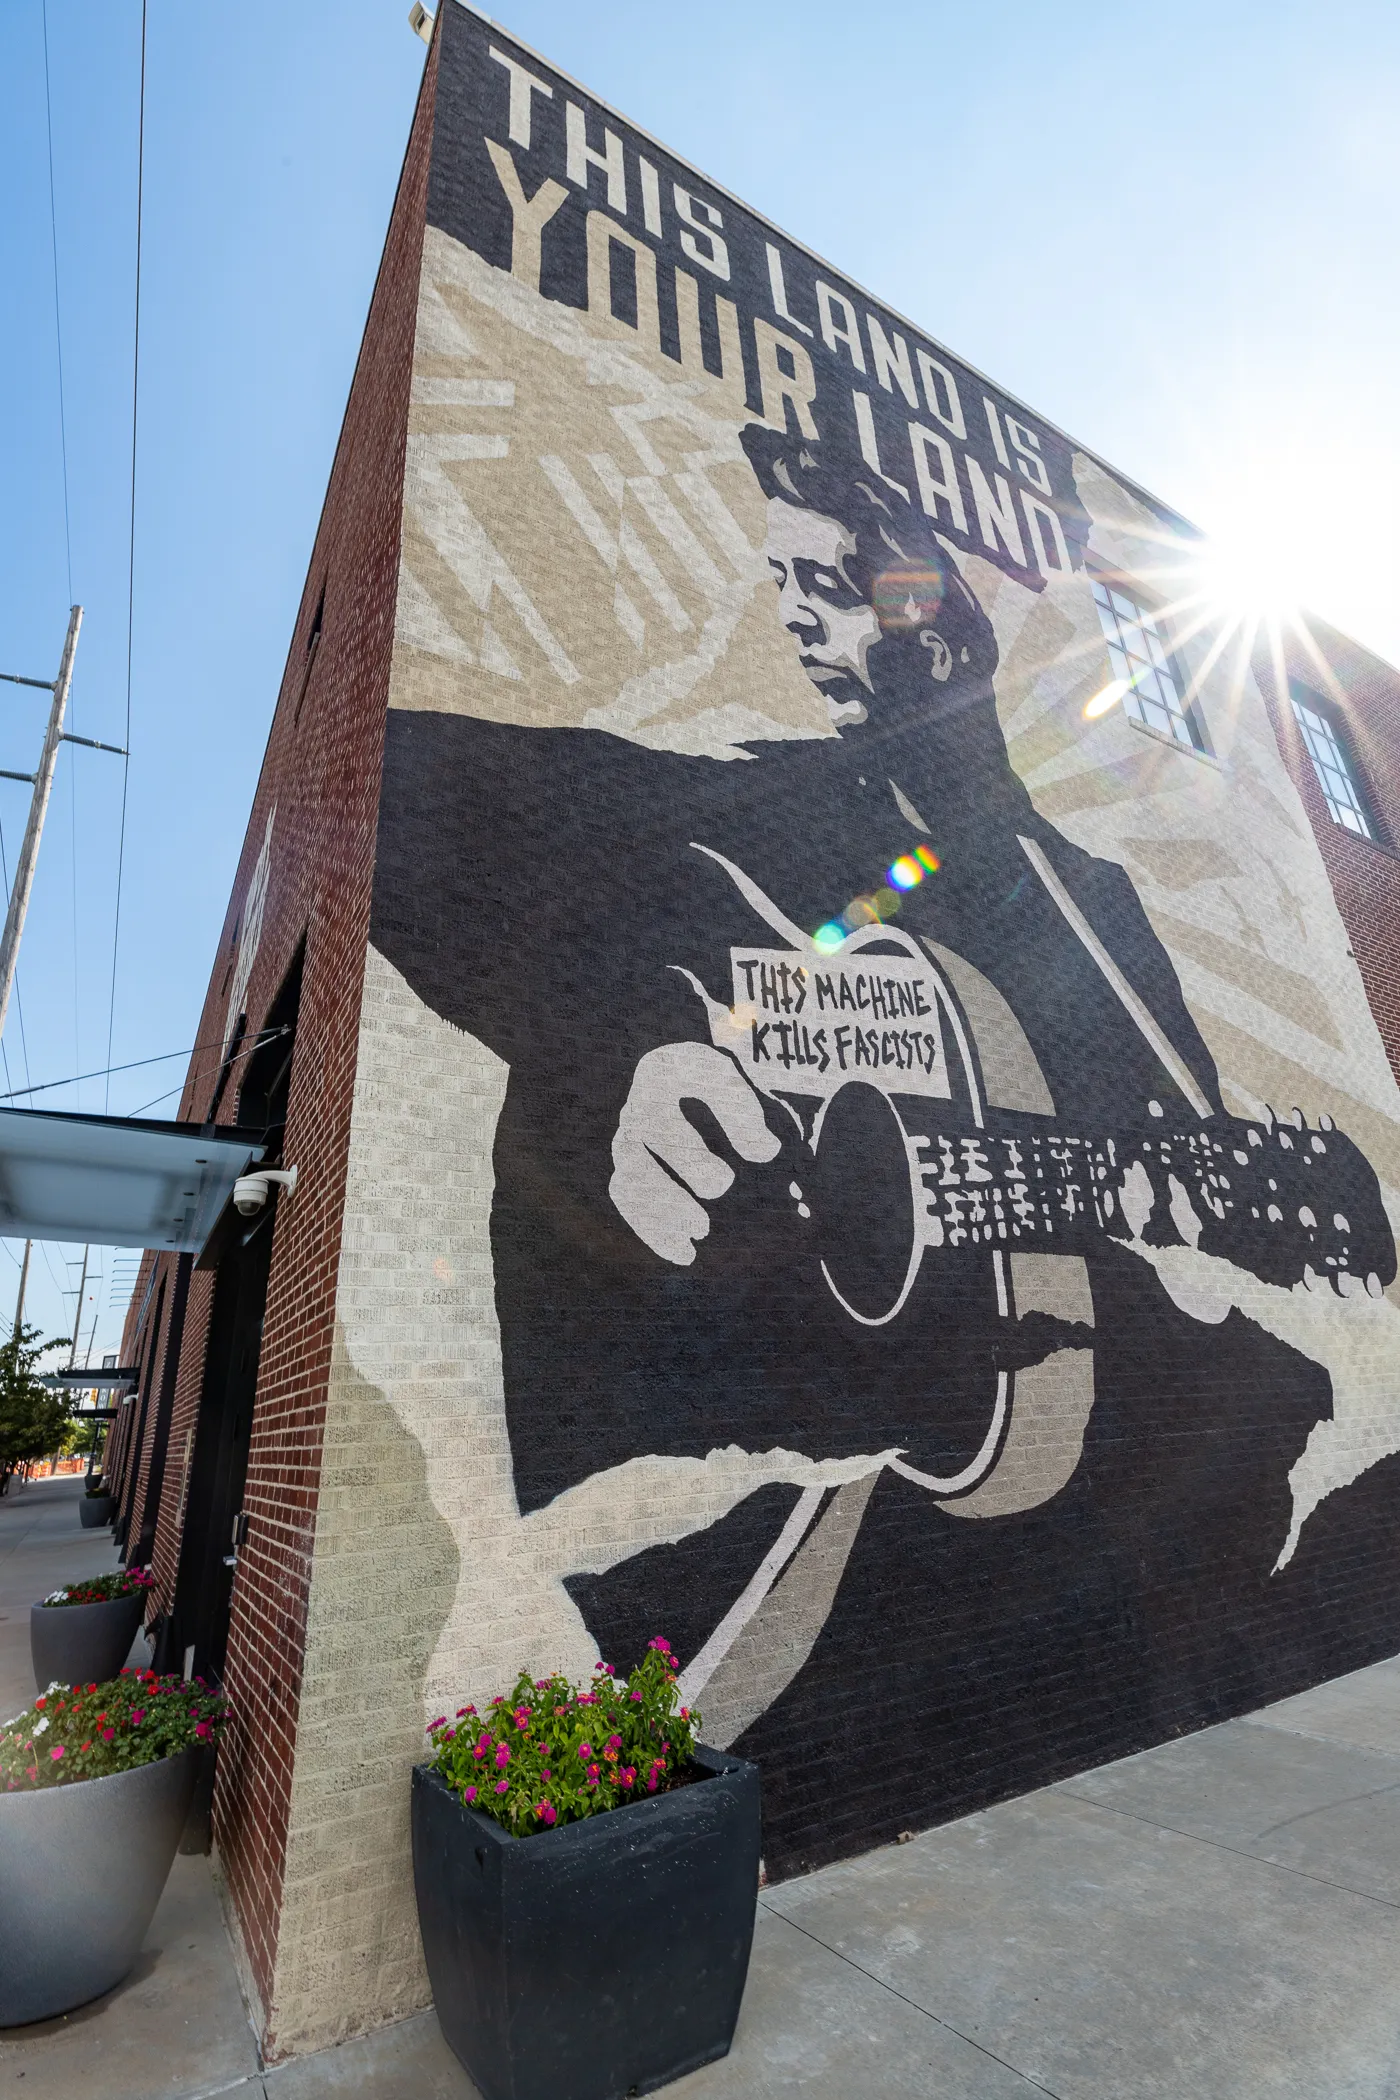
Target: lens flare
[[1105, 701], [907, 598], [902, 875]]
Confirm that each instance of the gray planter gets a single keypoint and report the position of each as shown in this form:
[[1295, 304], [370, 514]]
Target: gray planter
[[82, 1867], [95, 1510], [83, 1643]]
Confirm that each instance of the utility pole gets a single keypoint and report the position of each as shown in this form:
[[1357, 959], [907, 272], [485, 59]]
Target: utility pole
[[23, 1286], [78, 1315], [42, 784], [38, 808]]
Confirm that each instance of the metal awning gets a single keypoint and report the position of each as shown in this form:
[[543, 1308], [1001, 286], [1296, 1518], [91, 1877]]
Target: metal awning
[[81, 1377], [115, 1181]]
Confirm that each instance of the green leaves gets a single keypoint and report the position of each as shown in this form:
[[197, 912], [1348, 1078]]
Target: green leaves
[[33, 1420], [551, 1753], [90, 1731], [102, 1589]]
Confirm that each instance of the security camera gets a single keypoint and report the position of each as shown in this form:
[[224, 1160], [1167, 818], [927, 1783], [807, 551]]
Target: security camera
[[251, 1191]]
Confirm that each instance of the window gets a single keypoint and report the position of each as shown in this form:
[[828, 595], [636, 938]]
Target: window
[[1336, 771], [1141, 660]]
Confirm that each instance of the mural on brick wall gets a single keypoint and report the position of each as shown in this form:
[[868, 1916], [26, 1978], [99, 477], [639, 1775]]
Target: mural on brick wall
[[830, 1105]]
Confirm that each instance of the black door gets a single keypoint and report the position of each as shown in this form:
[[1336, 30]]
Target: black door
[[219, 1460]]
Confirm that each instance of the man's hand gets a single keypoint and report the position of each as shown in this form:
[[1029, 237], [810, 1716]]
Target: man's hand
[[653, 1128]]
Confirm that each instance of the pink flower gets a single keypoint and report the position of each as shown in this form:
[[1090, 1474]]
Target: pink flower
[[523, 1717], [588, 1699], [57, 1750], [107, 1734], [502, 1758], [628, 1774], [469, 1793], [546, 1773], [547, 1813], [502, 1785], [606, 1669], [592, 1775], [651, 1784], [638, 1697], [202, 1730], [138, 1713], [585, 1751], [614, 1742], [463, 1711], [658, 1643], [440, 1722], [685, 1713]]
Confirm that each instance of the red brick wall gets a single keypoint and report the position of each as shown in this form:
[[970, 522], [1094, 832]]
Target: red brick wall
[[321, 777], [1365, 875]]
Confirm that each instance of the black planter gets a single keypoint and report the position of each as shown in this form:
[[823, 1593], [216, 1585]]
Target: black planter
[[83, 1643], [597, 1959], [95, 1510], [82, 1867]]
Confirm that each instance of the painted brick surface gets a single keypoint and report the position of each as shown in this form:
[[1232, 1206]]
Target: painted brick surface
[[304, 875], [1365, 874], [789, 1077]]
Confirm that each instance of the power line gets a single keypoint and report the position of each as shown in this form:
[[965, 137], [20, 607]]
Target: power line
[[67, 525], [264, 1035], [131, 544], [57, 313]]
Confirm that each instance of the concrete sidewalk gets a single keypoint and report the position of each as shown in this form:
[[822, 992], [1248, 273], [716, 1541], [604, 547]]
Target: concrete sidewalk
[[1218, 1919]]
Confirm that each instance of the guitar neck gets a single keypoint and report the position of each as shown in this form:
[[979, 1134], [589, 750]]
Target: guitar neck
[[1282, 1201]]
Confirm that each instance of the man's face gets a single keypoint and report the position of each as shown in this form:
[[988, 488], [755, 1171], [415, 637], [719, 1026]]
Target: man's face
[[834, 623]]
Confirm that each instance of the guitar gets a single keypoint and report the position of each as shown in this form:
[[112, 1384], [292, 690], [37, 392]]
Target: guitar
[[1289, 1203]]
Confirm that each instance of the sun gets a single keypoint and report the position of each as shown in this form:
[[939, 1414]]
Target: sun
[[1252, 576]]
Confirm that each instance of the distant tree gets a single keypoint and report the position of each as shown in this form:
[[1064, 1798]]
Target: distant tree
[[34, 1420], [85, 1433]]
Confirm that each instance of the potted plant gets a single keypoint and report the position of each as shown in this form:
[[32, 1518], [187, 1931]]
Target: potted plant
[[96, 1504], [95, 1784], [83, 1633], [587, 1877]]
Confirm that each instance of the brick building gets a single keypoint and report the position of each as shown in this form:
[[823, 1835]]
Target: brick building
[[792, 1090]]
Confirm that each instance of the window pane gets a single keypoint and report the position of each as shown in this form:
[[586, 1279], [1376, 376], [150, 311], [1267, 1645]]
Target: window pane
[[1138, 653], [1334, 775]]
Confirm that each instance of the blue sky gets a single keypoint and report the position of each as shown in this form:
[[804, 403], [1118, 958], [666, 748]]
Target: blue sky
[[1172, 231]]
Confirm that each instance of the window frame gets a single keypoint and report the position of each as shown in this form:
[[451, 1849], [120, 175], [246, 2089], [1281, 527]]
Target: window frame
[[1332, 718], [1147, 615]]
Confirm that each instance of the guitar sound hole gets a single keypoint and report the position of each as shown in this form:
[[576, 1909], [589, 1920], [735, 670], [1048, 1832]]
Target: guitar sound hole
[[861, 1200]]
